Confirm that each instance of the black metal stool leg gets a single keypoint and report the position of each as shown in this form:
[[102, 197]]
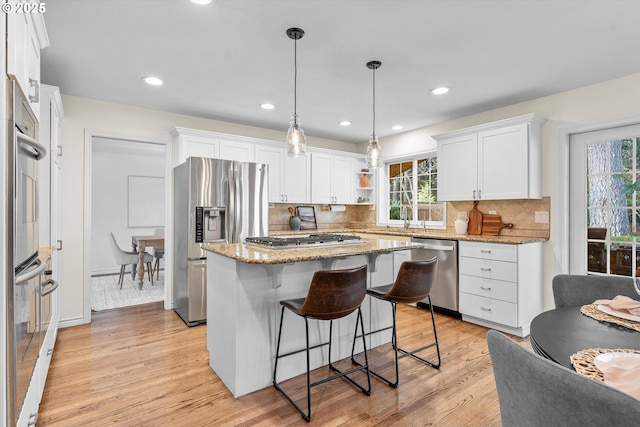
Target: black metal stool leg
[[305, 416]]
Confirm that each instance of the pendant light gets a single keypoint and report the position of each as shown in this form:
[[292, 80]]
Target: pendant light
[[296, 141], [374, 151]]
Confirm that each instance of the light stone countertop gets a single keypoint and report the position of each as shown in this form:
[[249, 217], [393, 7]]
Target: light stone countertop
[[257, 255], [427, 234]]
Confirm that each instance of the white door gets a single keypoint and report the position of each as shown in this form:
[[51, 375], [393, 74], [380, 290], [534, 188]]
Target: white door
[[604, 218]]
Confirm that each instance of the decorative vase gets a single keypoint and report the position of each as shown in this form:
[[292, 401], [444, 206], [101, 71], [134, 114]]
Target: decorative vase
[[364, 181], [461, 225], [294, 223]]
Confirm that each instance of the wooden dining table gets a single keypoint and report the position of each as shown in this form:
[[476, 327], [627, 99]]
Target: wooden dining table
[[140, 243], [557, 334]]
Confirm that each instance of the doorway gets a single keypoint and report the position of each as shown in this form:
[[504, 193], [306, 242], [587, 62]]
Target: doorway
[[604, 166], [127, 181]]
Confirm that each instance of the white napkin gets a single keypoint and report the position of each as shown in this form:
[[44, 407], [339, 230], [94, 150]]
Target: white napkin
[[621, 372], [622, 304]]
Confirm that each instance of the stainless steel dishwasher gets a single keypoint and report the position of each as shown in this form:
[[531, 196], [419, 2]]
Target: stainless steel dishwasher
[[444, 295]]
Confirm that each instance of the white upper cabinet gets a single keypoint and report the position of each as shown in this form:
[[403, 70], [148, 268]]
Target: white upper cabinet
[[237, 150], [289, 178], [496, 161], [331, 178], [193, 143], [26, 36]]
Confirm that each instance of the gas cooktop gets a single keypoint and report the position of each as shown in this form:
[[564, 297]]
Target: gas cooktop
[[304, 241]]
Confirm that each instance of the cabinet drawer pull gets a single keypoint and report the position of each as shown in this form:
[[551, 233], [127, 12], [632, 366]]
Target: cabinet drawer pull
[[484, 288], [33, 419], [484, 269], [485, 309], [35, 84], [474, 194], [485, 251], [49, 352]]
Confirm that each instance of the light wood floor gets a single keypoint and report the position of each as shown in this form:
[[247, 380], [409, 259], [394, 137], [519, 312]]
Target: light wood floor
[[142, 366]]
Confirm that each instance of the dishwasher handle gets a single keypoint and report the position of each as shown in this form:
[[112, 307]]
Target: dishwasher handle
[[436, 247]]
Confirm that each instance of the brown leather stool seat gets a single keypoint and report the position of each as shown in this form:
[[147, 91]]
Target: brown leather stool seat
[[332, 294], [413, 283]]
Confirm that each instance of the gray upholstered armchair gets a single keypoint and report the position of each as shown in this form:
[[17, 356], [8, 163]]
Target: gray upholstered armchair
[[534, 391], [571, 290]]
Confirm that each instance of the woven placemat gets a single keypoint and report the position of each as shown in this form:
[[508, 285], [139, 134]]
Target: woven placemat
[[592, 311], [582, 361]]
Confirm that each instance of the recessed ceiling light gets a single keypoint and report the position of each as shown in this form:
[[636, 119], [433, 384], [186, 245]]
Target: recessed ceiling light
[[201, 1], [153, 81], [267, 106], [345, 123], [396, 127], [440, 90]]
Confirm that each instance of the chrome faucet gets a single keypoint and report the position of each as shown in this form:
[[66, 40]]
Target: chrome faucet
[[405, 217]]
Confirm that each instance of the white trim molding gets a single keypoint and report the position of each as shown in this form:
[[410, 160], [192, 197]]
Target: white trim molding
[[560, 203], [89, 134]]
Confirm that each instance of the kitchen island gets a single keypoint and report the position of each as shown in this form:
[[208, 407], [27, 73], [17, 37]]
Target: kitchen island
[[245, 285]]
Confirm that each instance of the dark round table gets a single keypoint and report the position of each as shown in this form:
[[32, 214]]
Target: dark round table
[[557, 334]]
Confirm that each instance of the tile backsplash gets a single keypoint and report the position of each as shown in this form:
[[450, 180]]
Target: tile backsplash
[[521, 213], [354, 216]]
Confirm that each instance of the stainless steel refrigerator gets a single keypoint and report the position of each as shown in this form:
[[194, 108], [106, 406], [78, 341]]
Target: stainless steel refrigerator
[[215, 201]]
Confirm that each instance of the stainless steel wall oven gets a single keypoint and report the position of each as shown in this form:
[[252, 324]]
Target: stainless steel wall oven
[[23, 290]]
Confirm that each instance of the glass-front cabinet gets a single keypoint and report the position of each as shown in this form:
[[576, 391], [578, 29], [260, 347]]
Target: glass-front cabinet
[[612, 207]]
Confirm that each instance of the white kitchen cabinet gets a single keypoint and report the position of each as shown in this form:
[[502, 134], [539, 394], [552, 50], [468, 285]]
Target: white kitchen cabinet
[[331, 178], [289, 177], [26, 36], [495, 161], [500, 285], [193, 143], [237, 150]]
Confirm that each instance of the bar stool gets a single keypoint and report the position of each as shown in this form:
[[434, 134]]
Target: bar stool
[[332, 294], [413, 283]]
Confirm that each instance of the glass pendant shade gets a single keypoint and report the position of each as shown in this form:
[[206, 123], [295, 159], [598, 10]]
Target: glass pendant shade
[[296, 141], [374, 153]]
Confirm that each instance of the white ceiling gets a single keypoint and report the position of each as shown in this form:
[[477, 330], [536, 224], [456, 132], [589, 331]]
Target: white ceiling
[[222, 60]]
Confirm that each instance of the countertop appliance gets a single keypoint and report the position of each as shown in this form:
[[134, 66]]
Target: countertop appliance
[[304, 241], [215, 201], [444, 295], [23, 326]]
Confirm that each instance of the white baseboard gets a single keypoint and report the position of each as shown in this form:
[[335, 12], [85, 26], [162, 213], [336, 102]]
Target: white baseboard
[[74, 321]]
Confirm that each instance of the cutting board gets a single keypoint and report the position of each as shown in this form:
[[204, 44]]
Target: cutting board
[[475, 220], [492, 224]]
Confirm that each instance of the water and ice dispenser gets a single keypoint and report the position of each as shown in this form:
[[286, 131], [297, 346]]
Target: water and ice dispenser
[[210, 224]]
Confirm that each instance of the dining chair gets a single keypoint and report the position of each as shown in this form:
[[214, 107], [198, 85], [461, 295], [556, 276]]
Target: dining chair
[[157, 254], [124, 258], [575, 290], [413, 283], [534, 391], [332, 294]]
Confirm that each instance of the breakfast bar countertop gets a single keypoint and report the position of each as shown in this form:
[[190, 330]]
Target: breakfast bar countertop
[[425, 234], [257, 255]]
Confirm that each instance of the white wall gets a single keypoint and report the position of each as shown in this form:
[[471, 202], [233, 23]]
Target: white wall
[[613, 99], [112, 163], [135, 123]]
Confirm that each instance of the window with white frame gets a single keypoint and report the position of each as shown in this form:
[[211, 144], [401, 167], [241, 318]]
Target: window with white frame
[[413, 192]]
